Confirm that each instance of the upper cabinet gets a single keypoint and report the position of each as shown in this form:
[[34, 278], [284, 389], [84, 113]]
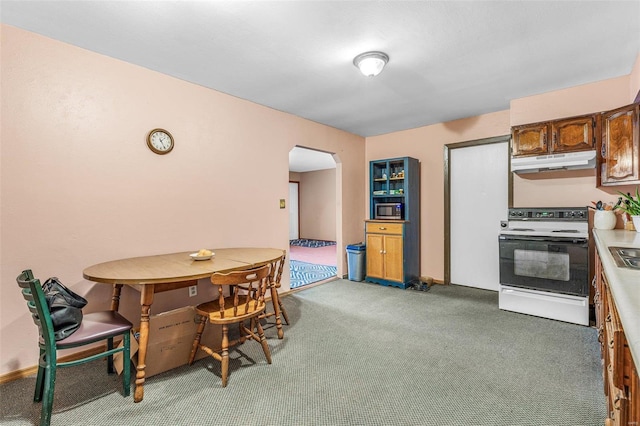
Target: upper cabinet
[[619, 150], [555, 137], [530, 139], [396, 180], [574, 134]]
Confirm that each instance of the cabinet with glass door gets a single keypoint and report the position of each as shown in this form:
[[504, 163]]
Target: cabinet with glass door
[[393, 228]]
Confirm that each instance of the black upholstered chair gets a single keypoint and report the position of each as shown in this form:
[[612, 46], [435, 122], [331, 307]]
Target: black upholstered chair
[[95, 327]]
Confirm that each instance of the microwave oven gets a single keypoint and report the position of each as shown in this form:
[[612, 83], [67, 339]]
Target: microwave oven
[[393, 211]]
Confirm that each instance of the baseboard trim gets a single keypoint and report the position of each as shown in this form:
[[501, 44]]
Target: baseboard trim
[[439, 282], [30, 371]]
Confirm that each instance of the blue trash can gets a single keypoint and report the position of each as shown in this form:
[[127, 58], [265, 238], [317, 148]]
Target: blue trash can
[[356, 261]]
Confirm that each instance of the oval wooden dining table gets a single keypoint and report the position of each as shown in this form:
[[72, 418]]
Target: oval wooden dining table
[[164, 272]]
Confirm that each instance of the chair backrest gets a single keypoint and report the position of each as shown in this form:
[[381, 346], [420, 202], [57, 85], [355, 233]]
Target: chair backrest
[[246, 290], [276, 270], [37, 304]]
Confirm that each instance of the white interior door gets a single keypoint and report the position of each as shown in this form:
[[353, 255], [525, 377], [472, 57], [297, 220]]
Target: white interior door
[[479, 201], [294, 214]]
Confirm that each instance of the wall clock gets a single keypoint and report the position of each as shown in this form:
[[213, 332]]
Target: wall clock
[[160, 141]]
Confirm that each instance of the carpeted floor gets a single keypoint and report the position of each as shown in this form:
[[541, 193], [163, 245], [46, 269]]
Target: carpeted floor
[[360, 354], [302, 273], [319, 255]]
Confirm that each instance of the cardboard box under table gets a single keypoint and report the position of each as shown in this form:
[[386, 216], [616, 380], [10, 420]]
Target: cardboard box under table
[[171, 337]]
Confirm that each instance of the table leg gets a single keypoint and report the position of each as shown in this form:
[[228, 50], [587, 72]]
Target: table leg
[[146, 300], [115, 297]]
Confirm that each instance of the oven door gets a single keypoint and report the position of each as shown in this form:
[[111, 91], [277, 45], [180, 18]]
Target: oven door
[[558, 265]]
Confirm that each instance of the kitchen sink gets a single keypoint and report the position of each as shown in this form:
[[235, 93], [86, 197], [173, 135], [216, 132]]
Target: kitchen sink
[[626, 257]]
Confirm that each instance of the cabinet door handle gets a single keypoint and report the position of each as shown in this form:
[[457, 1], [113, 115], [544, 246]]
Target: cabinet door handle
[[381, 252], [616, 402], [382, 228]]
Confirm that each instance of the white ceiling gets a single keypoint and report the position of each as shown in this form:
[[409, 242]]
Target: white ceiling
[[448, 59]]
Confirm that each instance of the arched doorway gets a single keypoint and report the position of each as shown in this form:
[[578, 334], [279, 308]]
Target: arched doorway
[[312, 255]]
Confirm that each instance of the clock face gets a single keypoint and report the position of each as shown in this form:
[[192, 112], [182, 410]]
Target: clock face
[[160, 141]]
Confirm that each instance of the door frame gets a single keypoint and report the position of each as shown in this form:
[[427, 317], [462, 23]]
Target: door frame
[[298, 206], [447, 191]]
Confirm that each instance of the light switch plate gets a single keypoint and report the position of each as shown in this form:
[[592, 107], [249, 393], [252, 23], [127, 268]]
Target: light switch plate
[[282, 204]]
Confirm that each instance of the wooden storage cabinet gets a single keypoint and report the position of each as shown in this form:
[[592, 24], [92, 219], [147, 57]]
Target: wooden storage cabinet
[[621, 382], [619, 150], [574, 134], [530, 139], [396, 180], [555, 137], [387, 244], [393, 246], [385, 256]]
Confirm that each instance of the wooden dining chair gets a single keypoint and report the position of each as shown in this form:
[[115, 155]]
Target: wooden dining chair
[[245, 302], [95, 327], [278, 309]]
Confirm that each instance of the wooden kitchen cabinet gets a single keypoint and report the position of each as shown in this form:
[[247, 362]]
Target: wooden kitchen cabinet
[[573, 134], [621, 382], [393, 245], [390, 254], [555, 137], [619, 148], [530, 139]]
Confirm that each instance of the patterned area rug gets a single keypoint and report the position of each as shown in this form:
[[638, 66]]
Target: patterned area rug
[[303, 242], [303, 273]]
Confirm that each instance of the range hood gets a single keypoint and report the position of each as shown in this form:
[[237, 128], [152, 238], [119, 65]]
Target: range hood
[[566, 161]]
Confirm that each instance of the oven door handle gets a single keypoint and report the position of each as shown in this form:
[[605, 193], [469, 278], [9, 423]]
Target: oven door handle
[[543, 239]]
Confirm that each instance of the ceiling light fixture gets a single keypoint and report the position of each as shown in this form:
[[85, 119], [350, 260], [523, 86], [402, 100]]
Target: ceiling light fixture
[[371, 63]]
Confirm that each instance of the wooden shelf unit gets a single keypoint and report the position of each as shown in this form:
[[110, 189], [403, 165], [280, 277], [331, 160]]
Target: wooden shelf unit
[[393, 246]]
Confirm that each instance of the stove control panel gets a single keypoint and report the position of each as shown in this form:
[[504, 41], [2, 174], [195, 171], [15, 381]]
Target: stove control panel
[[550, 214]]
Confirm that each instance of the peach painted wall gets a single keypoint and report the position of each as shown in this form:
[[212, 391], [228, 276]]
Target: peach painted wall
[[427, 145], [318, 205], [79, 185]]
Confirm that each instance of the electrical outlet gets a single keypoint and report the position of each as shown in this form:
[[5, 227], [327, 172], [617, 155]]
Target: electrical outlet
[[193, 290]]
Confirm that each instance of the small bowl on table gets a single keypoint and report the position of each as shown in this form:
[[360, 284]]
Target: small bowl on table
[[197, 256]]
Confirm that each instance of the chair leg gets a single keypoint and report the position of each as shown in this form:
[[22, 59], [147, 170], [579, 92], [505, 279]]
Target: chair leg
[[37, 395], [196, 340], [126, 363], [225, 355], [283, 311], [242, 333], [110, 369], [263, 342], [49, 387], [275, 301]]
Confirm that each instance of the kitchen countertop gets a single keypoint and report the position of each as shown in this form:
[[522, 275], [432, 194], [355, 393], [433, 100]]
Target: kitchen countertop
[[624, 283]]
